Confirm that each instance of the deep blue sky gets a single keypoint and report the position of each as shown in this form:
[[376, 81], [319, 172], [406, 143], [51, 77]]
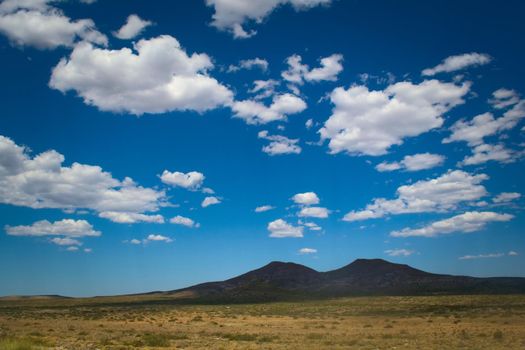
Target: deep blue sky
[[374, 37]]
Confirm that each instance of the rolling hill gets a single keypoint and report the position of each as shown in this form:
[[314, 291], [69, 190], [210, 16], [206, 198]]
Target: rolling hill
[[290, 281]]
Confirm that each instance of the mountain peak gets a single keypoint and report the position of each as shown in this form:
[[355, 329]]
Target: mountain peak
[[280, 280]]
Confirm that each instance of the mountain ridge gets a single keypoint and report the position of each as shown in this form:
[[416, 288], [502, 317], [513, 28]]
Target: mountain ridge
[[286, 280]]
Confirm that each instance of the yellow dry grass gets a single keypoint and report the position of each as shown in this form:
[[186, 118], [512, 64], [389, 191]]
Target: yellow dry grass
[[154, 322]]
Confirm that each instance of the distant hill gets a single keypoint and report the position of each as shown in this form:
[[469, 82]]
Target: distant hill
[[290, 281], [32, 297], [286, 281]]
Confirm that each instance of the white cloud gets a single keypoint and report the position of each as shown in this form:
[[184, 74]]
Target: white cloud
[[255, 112], [307, 251], [475, 130], [483, 125], [210, 201], [208, 190], [43, 182], [458, 62], [88, 250], [231, 15], [306, 198], [157, 76], [312, 226], [441, 194], [279, 144], [66, 227], [264, 88], [157, 238], [37, 24], [482, 256], [513, 253], [309, 123], [484, 153], [134, 26], [192, 180], [281, 229], [467, 222], [505, 197], [72, 249], [135, 241], [184, 221], [399, 252], [314, 212], [503, 98], [65, 241], [420, 161], [298, 72], [131, 218], [264, 208], [389, 166], [249, 64], [370, 122]]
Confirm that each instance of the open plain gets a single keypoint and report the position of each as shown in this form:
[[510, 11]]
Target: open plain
[[156, 321]]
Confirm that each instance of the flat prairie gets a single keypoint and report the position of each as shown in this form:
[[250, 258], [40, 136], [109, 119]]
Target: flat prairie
[[157, 322]]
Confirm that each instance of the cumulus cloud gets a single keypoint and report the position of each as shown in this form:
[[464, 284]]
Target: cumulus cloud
[[365, 122], [312, 226], [192, 180], [184, 221], [475, 130], [156, 76], [249, 64], [66, 241], [131, 218], [440, 194], [264, 88], [65, 227], [483, 125], [150, 238], [471, 221], [484, 153], [43, 181], [66, 232], [255, 112], [298, 72], [458, 62], [279, 144], [210, 201], [399, 252], [40, 25], [281, 229], [133, 27], [305, 251], [264, 208], [506, 197], [503, 98], [231, 15], [306, 198], [314, 212], [414, 162], [157, 238]]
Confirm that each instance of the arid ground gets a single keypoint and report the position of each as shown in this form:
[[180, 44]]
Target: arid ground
[[438, 322]]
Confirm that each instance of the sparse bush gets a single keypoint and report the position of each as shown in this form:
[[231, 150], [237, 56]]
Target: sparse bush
[[239, 336], [158, 340], [22, 344]]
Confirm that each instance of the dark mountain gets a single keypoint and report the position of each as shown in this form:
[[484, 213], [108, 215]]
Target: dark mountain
[[290, 281]]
